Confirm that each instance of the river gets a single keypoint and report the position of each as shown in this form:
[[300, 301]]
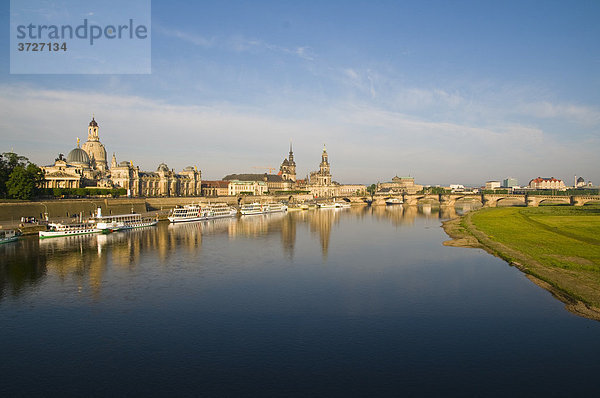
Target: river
[[339, 302]]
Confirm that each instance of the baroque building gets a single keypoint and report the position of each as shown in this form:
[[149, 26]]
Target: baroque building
[[399, 185], [95, 149], [87, 167], [287, 170], [320, 183]]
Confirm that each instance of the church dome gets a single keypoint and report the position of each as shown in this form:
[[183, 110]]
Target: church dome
[[580, 179], [78, 156], [163, 167]]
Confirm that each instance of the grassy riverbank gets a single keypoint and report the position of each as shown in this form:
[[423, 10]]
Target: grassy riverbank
[[558, 246]]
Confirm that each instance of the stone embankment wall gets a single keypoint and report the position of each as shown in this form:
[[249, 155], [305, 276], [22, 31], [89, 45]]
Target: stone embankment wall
[[11, 212]]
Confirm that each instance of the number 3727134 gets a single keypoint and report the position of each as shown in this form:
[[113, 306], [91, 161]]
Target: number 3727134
[[42, 46]]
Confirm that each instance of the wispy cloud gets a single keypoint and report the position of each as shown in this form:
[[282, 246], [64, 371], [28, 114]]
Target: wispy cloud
[[366, 143], [191, 38], [237, 43], [577, 113]]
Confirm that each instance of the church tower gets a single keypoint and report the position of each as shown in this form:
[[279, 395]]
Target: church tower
[[94, 148], [324, 170], [288, 166]]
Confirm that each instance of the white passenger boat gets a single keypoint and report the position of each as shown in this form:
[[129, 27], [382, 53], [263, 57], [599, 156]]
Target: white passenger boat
[[326, 205], [342, 205], [122, 222], [8, 235], [258, 208], [199, 212], [393, 201], [219, 210], [59, 229]]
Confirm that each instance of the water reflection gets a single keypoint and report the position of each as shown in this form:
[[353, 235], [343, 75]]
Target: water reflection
[[85, 260]]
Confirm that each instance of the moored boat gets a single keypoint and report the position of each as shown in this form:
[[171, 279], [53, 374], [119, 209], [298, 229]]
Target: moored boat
[[187, 213], [393, 201], [326, 205], [60, 229], [219, 210], [258, 208], [342, 205], [8, 235], [200, 212], [122, 222]]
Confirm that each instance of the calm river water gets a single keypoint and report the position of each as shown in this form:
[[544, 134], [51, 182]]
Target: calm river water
[[353, 302]]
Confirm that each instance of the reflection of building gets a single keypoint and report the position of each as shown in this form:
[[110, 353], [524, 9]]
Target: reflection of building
[[547, 183], [399, 185], [87, 167], [321, 184]]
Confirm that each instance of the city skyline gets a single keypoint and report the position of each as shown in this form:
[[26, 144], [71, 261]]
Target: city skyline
[[447, 93]]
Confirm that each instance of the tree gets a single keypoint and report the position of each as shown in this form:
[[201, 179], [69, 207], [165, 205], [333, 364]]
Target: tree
[[24, 182], [8, 162], [371, 189]]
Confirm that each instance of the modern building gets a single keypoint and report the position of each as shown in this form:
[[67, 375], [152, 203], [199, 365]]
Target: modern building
[[491, 185], [510, 182], [547, 183]]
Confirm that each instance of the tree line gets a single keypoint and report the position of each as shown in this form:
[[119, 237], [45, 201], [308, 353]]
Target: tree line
[[19, 178]]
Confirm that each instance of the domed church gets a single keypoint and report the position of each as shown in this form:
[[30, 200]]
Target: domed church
[[94, 148], [86, 166]]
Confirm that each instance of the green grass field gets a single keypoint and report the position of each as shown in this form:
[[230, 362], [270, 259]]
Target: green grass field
[[558, 244]]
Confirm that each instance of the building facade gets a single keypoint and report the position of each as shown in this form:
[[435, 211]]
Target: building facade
[[287, 170], [491, 185], [399, 185], [320, 183], [86, 166], [215, 188], [510, 182], [237, 187], [547, 183]]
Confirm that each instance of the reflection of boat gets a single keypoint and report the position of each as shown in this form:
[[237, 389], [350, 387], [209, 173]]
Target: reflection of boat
[[342, 205], [393, 201], [258, 208], [59, 229], [197, 212], [122, 222], [8, 235]]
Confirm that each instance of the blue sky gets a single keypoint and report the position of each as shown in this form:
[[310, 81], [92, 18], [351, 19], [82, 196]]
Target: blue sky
[[445, 91]]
